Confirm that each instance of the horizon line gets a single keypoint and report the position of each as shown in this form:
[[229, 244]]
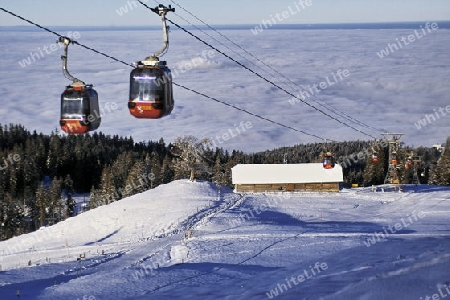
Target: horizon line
[[235, 25]]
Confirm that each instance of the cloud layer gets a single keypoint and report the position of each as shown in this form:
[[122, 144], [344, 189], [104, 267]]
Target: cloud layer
[[390, 94]]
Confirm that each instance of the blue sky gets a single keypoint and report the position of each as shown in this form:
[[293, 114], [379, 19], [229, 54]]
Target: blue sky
[[104, 13]]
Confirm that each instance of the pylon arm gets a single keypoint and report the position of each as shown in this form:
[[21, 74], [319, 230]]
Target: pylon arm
[[66, 42]]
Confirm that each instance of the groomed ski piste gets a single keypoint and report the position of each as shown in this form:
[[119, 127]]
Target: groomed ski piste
[[184, 240]]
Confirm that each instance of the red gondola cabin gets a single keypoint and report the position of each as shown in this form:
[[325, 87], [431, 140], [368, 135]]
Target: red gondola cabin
[[328, 161], [151, 91], [80, 111]]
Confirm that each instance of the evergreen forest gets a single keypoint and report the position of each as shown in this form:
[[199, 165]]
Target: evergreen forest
[[39, 174]]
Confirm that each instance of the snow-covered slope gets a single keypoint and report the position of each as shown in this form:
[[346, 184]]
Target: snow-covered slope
[[353, 245]]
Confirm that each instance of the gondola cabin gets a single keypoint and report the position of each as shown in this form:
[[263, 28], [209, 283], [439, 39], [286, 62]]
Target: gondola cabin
[[80, 111], [408, 163], [328, 161], [394, 158], [151, 91], [374, 157]]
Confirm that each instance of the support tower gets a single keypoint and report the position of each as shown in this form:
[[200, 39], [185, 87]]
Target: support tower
[[393, 140]]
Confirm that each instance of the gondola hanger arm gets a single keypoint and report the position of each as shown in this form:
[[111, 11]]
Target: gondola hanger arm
[[162, 11], [66, 42]]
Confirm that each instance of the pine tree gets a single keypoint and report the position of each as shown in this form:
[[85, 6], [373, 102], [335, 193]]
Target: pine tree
[[53, 154], [137, 180], [55, 200], [166, 174], [95, 198], [220, 172], [440, 172], [3, 211], [155, 169], [374, 171], [13, 218], [42, 204], [68, 185], [13, 181], [30, 178], [3, 184], [70, 202], [70, 207], [119, 172], [109, 193]]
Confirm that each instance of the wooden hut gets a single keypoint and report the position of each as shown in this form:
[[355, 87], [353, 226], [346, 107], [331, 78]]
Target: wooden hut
[[262, 178]]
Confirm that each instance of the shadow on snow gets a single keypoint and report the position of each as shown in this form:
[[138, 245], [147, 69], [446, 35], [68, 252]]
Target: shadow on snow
[[281, 219]]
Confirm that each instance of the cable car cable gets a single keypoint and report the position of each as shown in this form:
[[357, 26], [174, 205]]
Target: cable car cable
[[59, 35], [32, 23], [267, 80], [235, 53], [179, 85], [204, 32], [259, 75], [248, 112], [319, 100], [351, 119]]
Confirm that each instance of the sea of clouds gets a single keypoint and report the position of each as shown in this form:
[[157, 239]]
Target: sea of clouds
[[390, 93]]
